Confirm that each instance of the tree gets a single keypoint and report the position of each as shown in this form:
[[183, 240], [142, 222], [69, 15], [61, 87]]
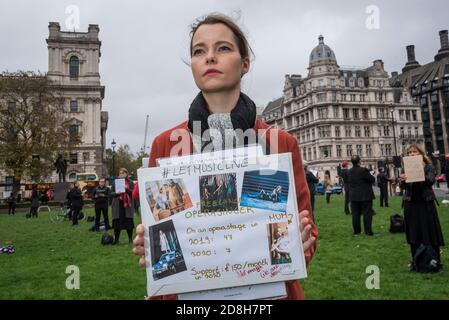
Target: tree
[[34, 126], [124, 158]]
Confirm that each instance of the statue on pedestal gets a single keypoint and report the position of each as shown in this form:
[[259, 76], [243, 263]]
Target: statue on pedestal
[[61, 167]]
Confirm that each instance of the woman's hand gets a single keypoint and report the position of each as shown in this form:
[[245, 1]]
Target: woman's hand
[[139, 249], [402, 177], [305, 228]]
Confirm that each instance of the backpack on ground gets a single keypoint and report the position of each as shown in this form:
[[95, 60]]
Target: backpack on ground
[[426, 259], [107, 239], [397, 223]]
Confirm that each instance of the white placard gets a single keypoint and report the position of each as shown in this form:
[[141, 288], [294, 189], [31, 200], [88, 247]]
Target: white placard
[[120, 185], [220, 224], [414, 168]]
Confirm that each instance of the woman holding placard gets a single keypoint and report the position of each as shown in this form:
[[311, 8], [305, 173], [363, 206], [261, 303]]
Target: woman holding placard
[[220, 57], [422, 226], [123, 207]]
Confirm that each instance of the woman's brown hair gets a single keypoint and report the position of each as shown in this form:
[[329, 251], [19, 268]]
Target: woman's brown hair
[[421, 152], [239, 36]]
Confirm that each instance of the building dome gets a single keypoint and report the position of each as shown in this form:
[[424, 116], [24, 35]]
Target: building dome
[[321, 52]]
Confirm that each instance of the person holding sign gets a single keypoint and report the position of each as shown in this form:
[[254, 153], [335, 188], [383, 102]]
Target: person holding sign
[[122, 207], [220, 57], [422, 225]]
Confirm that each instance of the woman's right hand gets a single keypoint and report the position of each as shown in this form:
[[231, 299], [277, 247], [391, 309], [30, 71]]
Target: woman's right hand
[[139, 249], [402, 177]]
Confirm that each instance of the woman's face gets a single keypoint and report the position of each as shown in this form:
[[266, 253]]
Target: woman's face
[[413, 152], [122, 175], [217, 65]]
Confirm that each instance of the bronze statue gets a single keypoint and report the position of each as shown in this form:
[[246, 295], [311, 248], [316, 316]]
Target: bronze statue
[[61, 167]]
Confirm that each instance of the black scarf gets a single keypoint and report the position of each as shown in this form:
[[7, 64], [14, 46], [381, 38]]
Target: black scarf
[[243, 116]]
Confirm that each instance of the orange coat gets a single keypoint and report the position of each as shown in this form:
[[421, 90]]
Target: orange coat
[[163, 147]]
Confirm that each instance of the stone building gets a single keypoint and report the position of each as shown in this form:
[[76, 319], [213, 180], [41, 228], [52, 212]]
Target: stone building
[[428, 86], [336, 112], [73, 68]]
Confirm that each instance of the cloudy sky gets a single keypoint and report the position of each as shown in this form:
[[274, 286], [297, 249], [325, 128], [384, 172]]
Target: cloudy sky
[[144, 44]]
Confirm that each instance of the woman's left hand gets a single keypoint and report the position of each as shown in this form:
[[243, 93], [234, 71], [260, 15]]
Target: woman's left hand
[[305, 227]]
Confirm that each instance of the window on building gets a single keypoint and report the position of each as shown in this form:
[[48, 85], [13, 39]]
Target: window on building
[[313, 133], [401, 132], [407, 115], [434, 98], [416, 132], [388, 150], [343, 97], [338, 150], [9, 181], [314, 153], [309, 153], [357, 131], [74, 67], [321, 97], [73, 106], [368, 150], [73, 158], [321, 83], [336, 113], [326, 151], [73, 131], [351, 82], [345, 113], [382, 150], [337, 131], [414, 115], [352, 97], [333, 82], [423, 100], [409, 132], [362, 98], [358, 149], [323, 113], [367, 131], [308, 135], [307, 117], [355, 114], [347, 131], [365, 114], [349, 150], [386, 131], [401, 115]]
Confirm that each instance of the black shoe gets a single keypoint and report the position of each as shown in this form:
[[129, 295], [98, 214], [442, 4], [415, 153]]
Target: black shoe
[[411, 267], [370, 234]]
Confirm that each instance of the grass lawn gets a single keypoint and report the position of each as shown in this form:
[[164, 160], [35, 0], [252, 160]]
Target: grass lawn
[[44, 249]]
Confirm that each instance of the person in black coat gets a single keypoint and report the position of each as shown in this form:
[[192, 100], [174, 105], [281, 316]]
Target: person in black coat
[[101, 197], [75, 197], [123, 208], [12, 204], [361, 196], [344, 174], [445, 169], [422, 225], [311, 182], [382, 183]]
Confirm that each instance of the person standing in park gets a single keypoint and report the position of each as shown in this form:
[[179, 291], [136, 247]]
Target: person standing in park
[[123, 208], [34, 203], [327, 182], [382, 183], [311, 182], [101, 197], [12, 204], [344, 174], [422, 225], [361, 196], [75, 197], [220, 57]]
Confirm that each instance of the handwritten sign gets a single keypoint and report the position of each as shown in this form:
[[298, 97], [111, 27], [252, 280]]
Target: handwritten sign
[[414, 168], [220, 224]]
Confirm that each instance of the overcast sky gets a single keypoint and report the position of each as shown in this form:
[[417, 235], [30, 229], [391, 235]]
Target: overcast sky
[[144, 44]]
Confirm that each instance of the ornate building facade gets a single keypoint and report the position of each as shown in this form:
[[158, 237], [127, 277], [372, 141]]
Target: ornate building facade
[[338, 112], [73, 68]]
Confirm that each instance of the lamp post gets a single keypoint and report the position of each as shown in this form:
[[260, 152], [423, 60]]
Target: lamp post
[[394, 138], [113, 144]]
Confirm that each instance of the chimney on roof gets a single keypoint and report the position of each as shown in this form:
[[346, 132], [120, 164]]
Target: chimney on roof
[[54, 28], [444, 50], [411, 59]]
